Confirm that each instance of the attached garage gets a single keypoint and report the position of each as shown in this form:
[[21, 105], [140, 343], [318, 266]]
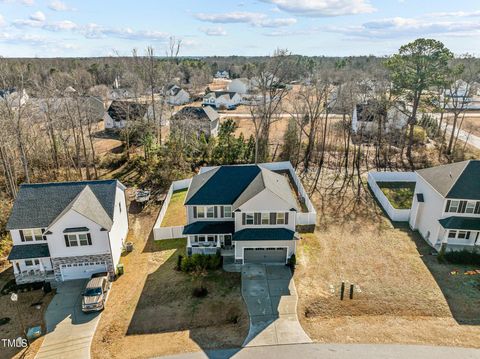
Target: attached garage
[[83, 270], [265, 255]]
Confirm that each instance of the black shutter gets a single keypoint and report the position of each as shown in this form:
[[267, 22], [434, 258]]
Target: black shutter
[[222, 211], [44, 237], [89, 238], [273, 218], [215, 212], [468, 235], [67, 243], [243, 218], [463, 205], [447, 208], [194, 211], [286, 217], [257, 217], [22, 237], [477, 208]]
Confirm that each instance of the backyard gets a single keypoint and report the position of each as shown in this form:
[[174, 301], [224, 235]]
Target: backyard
[[402, 294], [400, 194], [151, 310], [176, 214]]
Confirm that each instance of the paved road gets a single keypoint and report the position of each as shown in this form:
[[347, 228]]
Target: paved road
[[271, 298], [70, 331], [337, 351], [462, 135]]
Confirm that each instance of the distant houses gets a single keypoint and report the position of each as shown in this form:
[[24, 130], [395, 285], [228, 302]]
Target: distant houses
[[120, 112], [222, 99], [222, 75], [177, 96], [193, 121], [14, 98], [366, 117], [241, 86]]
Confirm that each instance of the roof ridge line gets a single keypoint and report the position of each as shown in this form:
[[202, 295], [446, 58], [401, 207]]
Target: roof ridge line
[[460, 175]]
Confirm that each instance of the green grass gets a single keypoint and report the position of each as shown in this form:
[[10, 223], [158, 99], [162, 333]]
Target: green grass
[[176, 214], [400, 194]]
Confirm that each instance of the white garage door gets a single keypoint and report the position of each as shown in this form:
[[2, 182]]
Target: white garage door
[[82, 270], [265, 255]]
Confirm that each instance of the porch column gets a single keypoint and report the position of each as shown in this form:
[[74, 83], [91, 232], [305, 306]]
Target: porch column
[[218, 241], [188, 241]]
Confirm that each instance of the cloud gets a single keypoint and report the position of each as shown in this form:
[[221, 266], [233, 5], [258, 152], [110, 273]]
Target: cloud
[[57, 5], [95, 31], [399, 27], [214, 31], [63, 25], [2, 20], [38, 16], [323, 8], [23, 2], [455, 14], [240, 17]]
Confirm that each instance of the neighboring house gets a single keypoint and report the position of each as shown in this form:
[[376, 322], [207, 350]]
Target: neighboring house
[[195, 120], [89, 105], [222, 99], [446, 205], [222, 75], [119, 94], [365, 117], [121, 112], [177, 96], [240, 86], [13, 97], [67, 230], [246, 209], [462, 96]]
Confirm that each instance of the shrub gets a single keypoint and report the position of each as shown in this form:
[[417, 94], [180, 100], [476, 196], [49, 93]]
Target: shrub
[[179, 263], [464, 256], [201, 262], [419, 135], [200, 292], [292, 262]]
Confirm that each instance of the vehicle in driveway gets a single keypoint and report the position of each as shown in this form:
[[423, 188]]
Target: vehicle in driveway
[[95, 293]]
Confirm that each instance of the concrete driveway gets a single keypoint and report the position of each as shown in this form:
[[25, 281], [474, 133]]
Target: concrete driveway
[[69, 330], [271, 298]]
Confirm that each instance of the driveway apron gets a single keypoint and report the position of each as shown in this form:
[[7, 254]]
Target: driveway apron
[[271, 297], [69, 330]]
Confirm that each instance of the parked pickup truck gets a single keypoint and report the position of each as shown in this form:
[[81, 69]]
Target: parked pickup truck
[[95, 293]]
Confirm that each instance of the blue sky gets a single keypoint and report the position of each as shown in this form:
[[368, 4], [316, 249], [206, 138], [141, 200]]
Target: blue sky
[[48, 28]]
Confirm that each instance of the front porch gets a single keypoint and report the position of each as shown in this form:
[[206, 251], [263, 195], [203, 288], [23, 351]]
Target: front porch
[[34, 275]]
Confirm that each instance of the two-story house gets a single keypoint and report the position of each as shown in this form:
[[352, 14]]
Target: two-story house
[[247, 208], [67, 230], [446, 205]]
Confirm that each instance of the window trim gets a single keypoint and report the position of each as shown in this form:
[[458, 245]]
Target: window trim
[[201, 213], [30, 232], [225, 211], [77, 240], [265, 215], [247, 219], [457, 206], [470, 203], [210, 212], [281, 220]]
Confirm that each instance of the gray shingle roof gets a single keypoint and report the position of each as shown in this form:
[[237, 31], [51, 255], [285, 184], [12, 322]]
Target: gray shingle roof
[[26, 251], [126, 110], [456, 180], [198, 113], [38, 205], [210, 227], [264, 234], [235, 185]]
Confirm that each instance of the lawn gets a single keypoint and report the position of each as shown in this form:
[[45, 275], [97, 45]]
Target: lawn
[[176, 214], [402, 294], [151, 312], [400, 194]]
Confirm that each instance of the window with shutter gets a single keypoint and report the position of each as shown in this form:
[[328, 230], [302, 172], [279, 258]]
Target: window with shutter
[[477, 208], [22, 237], [67, 242], [194, 212], [286, 217]]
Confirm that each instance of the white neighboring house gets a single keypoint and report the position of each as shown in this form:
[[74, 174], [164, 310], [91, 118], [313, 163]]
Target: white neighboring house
[[177, 96], [365, 118], [120, 112], [222, 75], [241, 85], [446, 205], [67, 230], [222, 99], [247, 209], [13, 97]]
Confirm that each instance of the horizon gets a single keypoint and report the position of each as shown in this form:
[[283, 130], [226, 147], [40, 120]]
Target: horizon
[[328, 28]]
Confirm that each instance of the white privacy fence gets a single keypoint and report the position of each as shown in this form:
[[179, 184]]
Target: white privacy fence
[[400, 215], [169, 232], [302, 218]]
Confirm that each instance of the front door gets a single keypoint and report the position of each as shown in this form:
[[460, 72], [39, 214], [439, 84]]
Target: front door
[[228, 240]]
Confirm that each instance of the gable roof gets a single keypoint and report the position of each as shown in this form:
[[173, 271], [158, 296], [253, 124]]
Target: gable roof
[[455, 180], [218, 94], [123, 110], [174, 90], [199, 113], [235, 185], [39, 205]]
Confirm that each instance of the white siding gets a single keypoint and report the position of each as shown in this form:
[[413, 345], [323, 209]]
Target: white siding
[[72, 219], [16, 239], [428, 213], [119, 231], [190, 218]]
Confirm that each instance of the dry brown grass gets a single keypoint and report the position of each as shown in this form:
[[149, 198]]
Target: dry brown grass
[[403, 289], [30, 316], [150, 310], [176, 214]]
